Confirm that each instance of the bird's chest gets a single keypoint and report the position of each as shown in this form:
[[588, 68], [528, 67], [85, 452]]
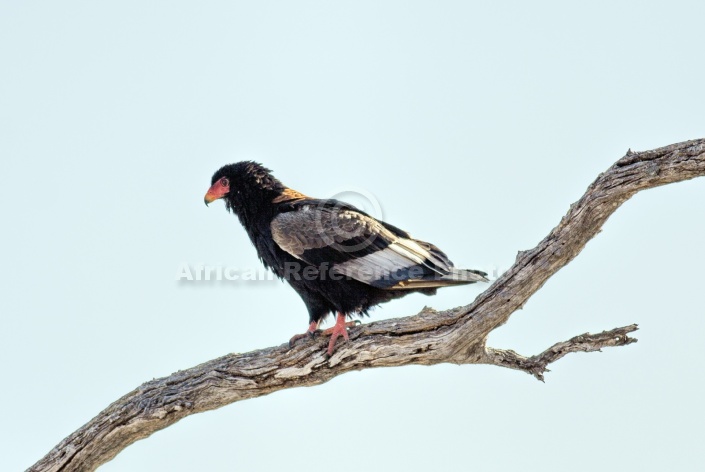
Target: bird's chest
[[271, 255]]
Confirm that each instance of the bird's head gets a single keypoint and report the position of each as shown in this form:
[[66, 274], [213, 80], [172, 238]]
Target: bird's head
[[220, 187], [237, 183]]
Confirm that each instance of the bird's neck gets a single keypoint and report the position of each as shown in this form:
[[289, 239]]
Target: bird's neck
[[254, 202]]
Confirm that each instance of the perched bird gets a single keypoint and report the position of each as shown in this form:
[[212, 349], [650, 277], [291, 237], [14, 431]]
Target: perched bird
[[338, 259]]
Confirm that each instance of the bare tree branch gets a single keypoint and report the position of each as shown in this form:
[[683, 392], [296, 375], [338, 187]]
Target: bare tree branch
[[431, 337], [537, 365]]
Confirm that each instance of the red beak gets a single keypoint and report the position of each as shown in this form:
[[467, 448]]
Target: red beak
[[217, 190]]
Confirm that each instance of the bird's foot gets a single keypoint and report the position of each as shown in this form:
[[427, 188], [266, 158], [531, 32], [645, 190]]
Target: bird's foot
[[311, 332], [339, 329]]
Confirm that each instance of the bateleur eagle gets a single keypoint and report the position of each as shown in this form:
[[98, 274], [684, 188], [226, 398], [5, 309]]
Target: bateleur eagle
[[338, 259]]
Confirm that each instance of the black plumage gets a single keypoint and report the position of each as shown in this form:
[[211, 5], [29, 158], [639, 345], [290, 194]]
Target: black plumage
[[337, 258]]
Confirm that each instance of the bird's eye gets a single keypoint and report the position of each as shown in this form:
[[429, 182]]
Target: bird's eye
[[224, 182]]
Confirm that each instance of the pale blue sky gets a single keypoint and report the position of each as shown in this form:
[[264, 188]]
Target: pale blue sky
[[474, 125]]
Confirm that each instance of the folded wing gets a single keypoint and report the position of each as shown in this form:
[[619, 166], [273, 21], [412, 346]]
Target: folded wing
[[353, 244]]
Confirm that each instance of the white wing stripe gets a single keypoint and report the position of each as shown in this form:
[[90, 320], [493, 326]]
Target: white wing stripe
[[404, 252], [415, 251], [374, 266]]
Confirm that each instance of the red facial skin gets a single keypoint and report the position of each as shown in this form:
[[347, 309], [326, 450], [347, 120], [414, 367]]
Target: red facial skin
[[217, 190]]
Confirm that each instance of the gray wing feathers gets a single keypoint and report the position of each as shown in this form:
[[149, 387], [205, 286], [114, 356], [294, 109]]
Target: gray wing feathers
[[315, 228], [371, 261]]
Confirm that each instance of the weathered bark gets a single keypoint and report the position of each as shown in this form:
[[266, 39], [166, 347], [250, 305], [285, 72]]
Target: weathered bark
[[431, 337]]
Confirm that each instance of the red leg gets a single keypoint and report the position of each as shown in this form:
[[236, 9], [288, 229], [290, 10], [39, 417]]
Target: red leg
[[340, 328], [312, 328]]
